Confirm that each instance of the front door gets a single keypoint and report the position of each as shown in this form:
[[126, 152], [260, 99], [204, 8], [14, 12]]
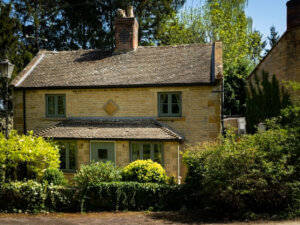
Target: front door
[[103, 151]]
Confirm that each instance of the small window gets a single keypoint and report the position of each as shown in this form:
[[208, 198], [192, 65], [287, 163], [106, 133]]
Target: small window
[[169, 104], [153, 151], [67, 155], [55, 105]]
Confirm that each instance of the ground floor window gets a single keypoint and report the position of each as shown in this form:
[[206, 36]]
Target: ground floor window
[[147, 150], [67, 155]]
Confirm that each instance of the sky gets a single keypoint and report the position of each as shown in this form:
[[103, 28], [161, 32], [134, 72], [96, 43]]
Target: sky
[[264, 13]]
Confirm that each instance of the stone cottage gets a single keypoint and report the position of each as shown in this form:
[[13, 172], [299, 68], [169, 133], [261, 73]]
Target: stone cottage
[[124, 104]]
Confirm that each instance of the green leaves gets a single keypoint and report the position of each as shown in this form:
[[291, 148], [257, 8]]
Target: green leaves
[[144, 171], [35, 152]]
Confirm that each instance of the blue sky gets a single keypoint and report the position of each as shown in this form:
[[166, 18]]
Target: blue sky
[[264, 13]]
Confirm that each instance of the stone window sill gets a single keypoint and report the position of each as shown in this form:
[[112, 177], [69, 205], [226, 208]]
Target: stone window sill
[[53, 118], [171, 118]]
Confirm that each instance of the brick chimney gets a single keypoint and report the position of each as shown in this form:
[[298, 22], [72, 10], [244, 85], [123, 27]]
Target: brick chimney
[[126, 31], [293, 14]]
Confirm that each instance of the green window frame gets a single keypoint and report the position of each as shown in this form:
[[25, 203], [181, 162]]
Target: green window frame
[[147, 150], [55, 105], [169, 104], [68, 155]]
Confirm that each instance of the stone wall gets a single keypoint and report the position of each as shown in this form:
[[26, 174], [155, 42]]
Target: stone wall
[[200, 108], [284, 58], [123, 156], [200, 119]]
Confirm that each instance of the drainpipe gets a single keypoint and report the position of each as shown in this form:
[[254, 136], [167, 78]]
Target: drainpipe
[[24, 112], [222, 106], [178, 156]]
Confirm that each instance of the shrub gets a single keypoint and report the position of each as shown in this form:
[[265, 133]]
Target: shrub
[[34, 153], [144, 171], [95, 173], [257, 173], [54, 176]]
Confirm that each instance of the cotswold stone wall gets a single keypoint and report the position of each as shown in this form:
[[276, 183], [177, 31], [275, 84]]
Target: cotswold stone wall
[[284, 59], [200, 119]]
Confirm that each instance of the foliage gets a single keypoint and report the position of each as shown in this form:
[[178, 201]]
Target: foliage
[[132, 196], [54, 176], [144, 171], [252, 174], [265, 99], [34, 153], [95, 173], [31, 196], [226, 21], [272, 38]]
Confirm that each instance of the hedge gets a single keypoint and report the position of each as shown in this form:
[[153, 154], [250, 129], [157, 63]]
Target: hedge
[[31, 196]]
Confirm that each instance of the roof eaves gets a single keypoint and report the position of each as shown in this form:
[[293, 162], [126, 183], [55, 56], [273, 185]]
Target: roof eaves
[[120, 86], [28, 69]]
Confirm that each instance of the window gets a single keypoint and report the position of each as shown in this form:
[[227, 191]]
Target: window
[[67, 155], [55, 105], [169, 104], [145, 150]]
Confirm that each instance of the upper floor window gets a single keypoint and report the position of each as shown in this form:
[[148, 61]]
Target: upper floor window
[[169, 104], [56, 105]]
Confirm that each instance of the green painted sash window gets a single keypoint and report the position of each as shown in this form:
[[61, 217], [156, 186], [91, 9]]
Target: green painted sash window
[[56, 105], [169, 104], [67, 155], [147, 150]]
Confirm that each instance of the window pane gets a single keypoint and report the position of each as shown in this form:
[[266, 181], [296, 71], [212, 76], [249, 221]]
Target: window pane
[[175, 98], [175, 108], [158, 153], [51, 105], [146, 151], [135, 152], [102, 154], [60, 105], [62, 156], [163, 98], [72, 156], [164, 108]]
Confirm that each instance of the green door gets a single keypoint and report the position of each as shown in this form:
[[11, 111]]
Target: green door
[[103, 151]]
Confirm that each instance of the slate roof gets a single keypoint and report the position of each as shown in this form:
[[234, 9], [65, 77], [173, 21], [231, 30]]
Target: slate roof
[[147, 66], [111, 129]]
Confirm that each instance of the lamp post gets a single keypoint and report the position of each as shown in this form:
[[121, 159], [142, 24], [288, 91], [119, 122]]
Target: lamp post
[[6, 69]]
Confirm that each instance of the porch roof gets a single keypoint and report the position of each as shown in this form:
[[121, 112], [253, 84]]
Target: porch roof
[[130, 128]]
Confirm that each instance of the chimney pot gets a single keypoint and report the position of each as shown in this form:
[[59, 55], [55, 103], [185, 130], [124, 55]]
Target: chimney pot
[[293, 14], [121, 13], [130, 11]]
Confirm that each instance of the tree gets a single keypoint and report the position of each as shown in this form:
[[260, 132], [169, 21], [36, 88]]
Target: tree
[[272, 38], [226, 21], [265, 99]]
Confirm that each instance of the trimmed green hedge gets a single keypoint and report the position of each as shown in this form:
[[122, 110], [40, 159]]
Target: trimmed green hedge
[[31, 196]]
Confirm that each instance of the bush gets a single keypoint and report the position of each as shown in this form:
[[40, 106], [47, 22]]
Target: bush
[[144, 171], [32, 153], [54, 176], [256, 173], [96, 173]]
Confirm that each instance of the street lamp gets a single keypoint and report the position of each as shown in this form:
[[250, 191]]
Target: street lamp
[[6, 69]]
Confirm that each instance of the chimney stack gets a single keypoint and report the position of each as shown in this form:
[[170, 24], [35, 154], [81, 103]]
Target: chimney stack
[[293, 14], [126, 28]]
